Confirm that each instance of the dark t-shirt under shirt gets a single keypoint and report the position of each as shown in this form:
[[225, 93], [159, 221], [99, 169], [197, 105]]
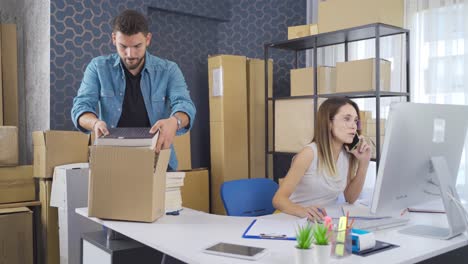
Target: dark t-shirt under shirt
[[133, 108]]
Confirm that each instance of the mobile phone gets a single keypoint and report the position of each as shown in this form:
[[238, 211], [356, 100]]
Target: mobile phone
[[236, 251], [354, 144]]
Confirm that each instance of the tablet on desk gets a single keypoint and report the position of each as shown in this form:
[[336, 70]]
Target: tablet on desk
[[236, 251]]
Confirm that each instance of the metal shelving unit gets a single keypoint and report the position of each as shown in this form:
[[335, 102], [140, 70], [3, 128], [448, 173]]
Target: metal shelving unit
[[372, 31]]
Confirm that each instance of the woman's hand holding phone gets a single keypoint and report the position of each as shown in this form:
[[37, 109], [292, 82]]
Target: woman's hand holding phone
[[361, 150]]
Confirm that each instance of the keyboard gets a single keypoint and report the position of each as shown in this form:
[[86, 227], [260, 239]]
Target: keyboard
[[379, 224]]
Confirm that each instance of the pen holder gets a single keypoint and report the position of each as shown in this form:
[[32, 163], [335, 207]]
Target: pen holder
[[341, 243]]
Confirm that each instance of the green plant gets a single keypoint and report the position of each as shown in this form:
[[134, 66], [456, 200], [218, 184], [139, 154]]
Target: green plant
[[304, 236], [321, 234]]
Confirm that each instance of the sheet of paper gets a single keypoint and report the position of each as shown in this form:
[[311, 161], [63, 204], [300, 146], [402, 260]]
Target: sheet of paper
[[218, 82]]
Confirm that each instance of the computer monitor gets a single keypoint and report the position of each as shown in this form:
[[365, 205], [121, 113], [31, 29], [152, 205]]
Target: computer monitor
[[420, 156]]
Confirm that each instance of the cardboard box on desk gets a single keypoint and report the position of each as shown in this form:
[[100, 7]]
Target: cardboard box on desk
[[70, 191], [195, 192], [17, 184], [302, 31], [340, 14], [302, 81], [8, 146], [16, 236], [127, 183], [53, 148], [359, 76]]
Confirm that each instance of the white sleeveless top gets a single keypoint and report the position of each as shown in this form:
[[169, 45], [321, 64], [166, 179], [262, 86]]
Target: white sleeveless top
[[319, 188]]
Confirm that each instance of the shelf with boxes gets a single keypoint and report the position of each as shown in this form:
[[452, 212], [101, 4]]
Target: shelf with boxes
[[309, 86]]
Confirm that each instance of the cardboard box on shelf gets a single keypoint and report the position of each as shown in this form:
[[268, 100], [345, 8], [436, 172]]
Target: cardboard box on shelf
[[373, 143], [195, 192], [53, 148], [70, 191], [8, 146], [183, 151], [371, 128], [340, 14], [228, 123], [294, 124], [17, 184], [16, 235], [359, 76], [302, 31], [49, 232], [9, 61], [127, 183], [363, 117], [302, 81], [256, 114]]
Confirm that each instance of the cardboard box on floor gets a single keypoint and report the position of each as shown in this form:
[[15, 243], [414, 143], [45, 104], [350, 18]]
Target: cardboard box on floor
[[49, 238], [228, 123], [183, 151], [302, 81], [70, 191], [196, 191], [16, 237], [127, 183], [53, 148], [256, 114], [302, 31], [9, 61], [17, 184], [340, 14], [359, 76], [8, 146]]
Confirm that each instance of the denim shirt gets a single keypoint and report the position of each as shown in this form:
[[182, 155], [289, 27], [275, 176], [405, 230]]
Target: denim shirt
[[162, 85]]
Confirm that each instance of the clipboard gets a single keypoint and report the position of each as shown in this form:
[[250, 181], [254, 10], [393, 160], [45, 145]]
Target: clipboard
[[272, 229]]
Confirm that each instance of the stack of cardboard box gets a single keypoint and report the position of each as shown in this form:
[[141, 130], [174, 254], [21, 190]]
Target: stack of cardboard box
[[16, 182], [51, 149], [237, 120]]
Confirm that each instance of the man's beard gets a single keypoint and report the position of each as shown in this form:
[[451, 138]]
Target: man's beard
[[133, 66]]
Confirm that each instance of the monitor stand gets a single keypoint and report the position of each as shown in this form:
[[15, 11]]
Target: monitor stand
[[455, 213]]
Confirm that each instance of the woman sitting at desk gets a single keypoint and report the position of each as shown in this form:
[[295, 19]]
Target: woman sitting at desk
[[326, 167]]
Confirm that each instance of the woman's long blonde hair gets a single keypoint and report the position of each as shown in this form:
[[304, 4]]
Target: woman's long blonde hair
[[323, 134]]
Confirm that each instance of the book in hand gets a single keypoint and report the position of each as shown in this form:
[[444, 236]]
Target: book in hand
[[128, 137]]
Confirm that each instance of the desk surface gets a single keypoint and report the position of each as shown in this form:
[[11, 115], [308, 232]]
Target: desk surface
[[185, 236]]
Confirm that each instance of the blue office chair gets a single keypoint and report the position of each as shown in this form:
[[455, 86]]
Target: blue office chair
[[248, 197]]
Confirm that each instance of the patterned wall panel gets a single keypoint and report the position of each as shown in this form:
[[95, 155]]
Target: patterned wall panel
[[80, 31], [185, 31], [255, 23], [188, 40]]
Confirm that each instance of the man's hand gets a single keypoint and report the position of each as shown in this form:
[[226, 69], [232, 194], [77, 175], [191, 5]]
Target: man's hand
[[100, 128], [167, 131]]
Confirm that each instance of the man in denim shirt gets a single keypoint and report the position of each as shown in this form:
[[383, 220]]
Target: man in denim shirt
[[134, 88]]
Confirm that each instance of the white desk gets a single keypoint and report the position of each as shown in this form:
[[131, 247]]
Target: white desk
[[184, 236]]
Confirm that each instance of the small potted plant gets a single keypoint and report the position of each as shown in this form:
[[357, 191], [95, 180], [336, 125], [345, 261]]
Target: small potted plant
[[304, 253], [321, 233]]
